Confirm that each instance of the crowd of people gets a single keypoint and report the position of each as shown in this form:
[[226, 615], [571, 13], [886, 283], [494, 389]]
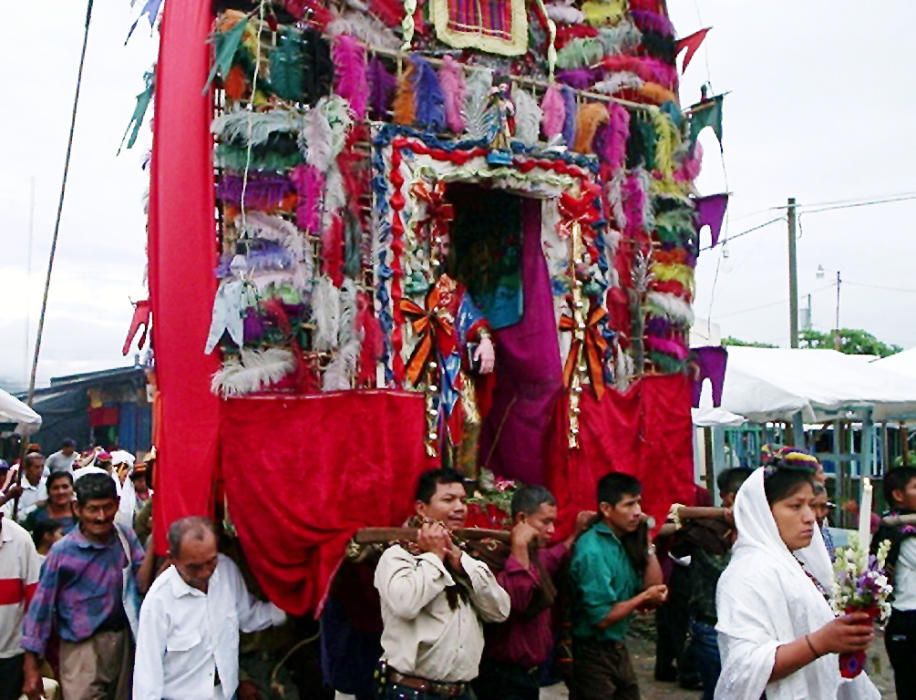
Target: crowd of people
[[84, 601]]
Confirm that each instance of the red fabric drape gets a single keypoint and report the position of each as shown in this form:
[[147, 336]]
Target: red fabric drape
[[182, 255], [303, 473], [646, 432]]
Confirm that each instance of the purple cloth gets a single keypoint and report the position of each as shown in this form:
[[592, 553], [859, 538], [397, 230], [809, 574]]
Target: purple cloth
[[710, 211], [79, 589], [711, 363], [529, 374]]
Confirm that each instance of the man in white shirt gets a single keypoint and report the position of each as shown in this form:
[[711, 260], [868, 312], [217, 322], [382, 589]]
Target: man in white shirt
[[434, 600], [63, 459], [32, 484], [188, 641], [19, 567]]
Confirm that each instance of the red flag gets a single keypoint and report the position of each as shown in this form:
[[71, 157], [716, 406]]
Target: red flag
[[691, 43]]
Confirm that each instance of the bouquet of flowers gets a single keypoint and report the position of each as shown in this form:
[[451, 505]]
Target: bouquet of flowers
[[861, 586]]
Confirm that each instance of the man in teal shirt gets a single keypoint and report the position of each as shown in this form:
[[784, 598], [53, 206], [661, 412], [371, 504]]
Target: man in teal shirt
[[614, 572]]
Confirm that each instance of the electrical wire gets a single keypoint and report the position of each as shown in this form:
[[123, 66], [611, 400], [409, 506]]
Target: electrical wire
[[905, 290], [771, 304], [729, 239]]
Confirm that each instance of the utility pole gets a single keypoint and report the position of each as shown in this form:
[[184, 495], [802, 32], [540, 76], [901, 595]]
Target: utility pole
[[793, 277], [836, 333]]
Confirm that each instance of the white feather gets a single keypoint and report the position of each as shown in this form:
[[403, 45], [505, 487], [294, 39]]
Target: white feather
[[614, 196], [255, 370], [623, 80], [366, 28], [674, 307], [335, 197], [623, 37], [315, 140], [527, 116], [326, 314], [340, 118], [347, 329], [477, 91], [623, 370], [338, 375], [257, 224], [243, 126], [565, 15]]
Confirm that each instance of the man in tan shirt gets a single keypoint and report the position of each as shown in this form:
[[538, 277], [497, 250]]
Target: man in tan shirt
[[434, 600]]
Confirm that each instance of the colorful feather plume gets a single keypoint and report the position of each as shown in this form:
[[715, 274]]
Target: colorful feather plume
[[428, 96], [405, 103], [366, 28], [332, 249], [315, 140], [252, 371], [242, 126], [618, 133], [326, 314], [527, 116], [588, 119], [451, 78], [309, 184], [381, 88], [624, 37], [341, 370], [691, 165], [571, 112], [674, 308], [350, 73], [370, 332], [347, 331], [553, 109], [616, 82], [477, 91], [564, 14]]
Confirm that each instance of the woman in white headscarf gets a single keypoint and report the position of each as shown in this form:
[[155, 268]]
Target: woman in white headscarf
[[778, 635]]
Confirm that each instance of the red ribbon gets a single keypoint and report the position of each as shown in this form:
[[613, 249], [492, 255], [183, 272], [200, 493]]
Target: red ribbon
[[439, 211], [595, 349]]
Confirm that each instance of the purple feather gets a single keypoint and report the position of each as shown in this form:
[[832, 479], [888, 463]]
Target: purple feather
[[263, 191], [652, 22], [430, 100], [381, 88], [600, 142], [572, 109], [658, 326], [618, 133], [579, 78], [252, 326]]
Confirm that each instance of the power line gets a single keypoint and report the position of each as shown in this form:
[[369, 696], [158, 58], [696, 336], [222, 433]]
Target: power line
[[770, 304], [729, 239], [909, 290], [849, 203]]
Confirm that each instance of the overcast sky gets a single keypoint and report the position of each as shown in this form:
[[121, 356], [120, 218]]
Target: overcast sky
[[820, 108]]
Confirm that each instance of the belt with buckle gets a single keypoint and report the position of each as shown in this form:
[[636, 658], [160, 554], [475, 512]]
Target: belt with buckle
[[449, 690]]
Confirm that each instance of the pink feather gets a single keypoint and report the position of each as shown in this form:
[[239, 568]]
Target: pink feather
[[332, 243], [350, 73], [618, 134], [451, 78], [634, 204], [309, 183], [554, 112], [690, 168]]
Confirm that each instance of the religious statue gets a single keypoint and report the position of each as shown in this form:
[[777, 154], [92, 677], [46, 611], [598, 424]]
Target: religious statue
[[500, 121]]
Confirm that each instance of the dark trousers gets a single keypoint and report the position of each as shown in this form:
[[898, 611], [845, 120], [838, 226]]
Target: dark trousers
[[602, 671], [703, 654], [11, 677], [504, 681], [671, 622], [900, 640], [393, 691]]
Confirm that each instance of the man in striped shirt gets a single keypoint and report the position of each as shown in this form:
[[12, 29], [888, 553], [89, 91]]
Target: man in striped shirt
[[79, 595], [19, 567]]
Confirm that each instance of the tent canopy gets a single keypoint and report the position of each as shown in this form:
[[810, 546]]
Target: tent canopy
[[902, 363], [12, 410], [767, 384]]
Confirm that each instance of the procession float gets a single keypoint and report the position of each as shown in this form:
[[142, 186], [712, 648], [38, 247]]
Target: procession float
[[353, 202]]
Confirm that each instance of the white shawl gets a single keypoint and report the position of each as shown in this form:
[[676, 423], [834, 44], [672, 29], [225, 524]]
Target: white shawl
[[765, 599]]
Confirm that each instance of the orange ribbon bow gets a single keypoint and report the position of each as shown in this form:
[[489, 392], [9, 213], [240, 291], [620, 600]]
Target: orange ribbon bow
[[596, 347], [432, 329]]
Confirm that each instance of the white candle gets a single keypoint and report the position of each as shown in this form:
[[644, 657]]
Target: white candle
[[865, 514]]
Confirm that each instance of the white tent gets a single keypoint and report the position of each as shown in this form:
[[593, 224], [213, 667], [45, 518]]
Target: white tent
[[902, 363], [12, 410], [765, 384]]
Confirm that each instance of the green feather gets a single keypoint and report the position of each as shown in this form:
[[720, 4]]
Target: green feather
[[287, 78], [226, 44]]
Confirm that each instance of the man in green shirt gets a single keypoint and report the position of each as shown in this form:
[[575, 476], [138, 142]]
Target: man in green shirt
[[614, 572]]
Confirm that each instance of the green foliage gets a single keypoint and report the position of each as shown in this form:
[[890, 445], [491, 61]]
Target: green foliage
[[737, 342], [851, 341]]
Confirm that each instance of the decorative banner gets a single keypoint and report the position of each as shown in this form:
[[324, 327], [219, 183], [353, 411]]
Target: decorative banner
[[710, 211], [151, 10], [136, 119], [706, 113], [691, 43]]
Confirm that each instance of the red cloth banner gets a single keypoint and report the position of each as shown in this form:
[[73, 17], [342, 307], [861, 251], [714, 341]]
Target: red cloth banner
[[182, 256], [303, 473], [646, 432]]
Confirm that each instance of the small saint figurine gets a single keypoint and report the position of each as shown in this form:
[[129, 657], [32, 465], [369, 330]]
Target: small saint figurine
[[500, 121]]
